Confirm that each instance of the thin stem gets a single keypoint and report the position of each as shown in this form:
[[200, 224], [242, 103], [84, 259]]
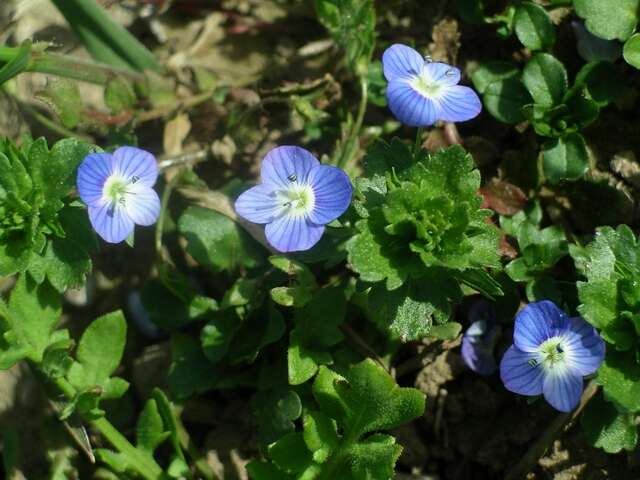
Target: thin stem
[[185, 442], [526, 463], [349, 146], [418, 145], [145, 465], [166, 194], [70, 67]]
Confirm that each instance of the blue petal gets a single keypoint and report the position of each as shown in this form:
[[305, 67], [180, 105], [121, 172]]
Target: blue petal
[[291, 233], [112, 224], [259, 204], [92, 173], [410, 107], [142, 205], [477, 357], [562, 389], [287, 164], [518, 375], [584, 348], [136, 165], [442, 73], [536, 323], [332, 190], [400, 61], [458, 104]]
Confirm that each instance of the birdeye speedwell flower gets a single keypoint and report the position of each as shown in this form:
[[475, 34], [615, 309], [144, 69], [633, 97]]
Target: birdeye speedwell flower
[[117, 189], [550, 354], [420, 91], [480, 338], [297, 197]]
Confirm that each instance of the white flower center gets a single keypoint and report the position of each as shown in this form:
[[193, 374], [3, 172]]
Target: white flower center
[[552, 354], [115, 189], [298, 199], [426, 86]]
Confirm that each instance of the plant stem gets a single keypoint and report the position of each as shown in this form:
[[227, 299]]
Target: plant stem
[[69, 67], [418, 145], [526, 463], [349, 146], [145, 465]]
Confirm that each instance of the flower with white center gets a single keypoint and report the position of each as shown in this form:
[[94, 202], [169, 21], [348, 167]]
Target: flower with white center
[[296, 198], [420, 91], [117, 189], [550, 355]]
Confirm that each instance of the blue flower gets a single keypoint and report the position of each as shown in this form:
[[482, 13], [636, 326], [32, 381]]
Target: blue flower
[[550, 354], [117, 189], [296, 198], [480, 338], [420, 91]]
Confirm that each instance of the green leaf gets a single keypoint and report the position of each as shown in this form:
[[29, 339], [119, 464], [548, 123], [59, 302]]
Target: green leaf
[[504, 99], [150, 431], [276, 411], [619, 376], [565, 158], [97, 359], [351, 23], [217, 242], [119, 95], [63, 97], [216, 336], [607, 428], [190, 372], [335, 441], [609, 19], [601, 81], [410, 311], [631, 50], [546, 79], [491, 72], [18, 64], [316, 329], [28, 322], [533, 26]]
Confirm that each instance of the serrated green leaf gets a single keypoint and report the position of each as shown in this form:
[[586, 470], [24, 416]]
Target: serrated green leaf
[[609, 19], [216, 241], [63, 97], [28, 322], [533, 26], [410, 311], [546, 79], [619, 376], [607, 428], [97, 360]]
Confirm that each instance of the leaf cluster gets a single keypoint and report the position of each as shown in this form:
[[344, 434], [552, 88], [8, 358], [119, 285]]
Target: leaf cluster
[[40, 232], [421, 231], [340, 439]]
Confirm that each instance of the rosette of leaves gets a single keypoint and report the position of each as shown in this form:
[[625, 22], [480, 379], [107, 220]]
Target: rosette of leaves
[[421, 233], [610, 301], [341, 438], [40, 231]]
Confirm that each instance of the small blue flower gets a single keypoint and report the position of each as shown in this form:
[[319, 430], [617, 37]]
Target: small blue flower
[[296, 198], [420, 91], [117, 189], [550, 354], [480, 338]]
